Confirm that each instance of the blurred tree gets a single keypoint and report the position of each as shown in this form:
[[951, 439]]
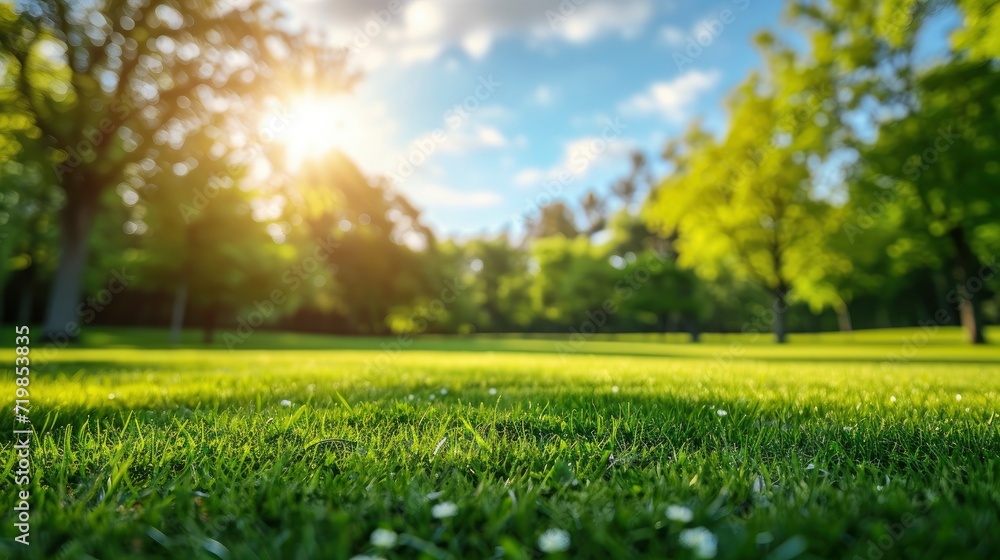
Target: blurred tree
[[979, 35], [573, 282], [106, 83], [555, 218], [747, 196], [595, 211], [638, 178], [501, 281], [332, 199], [870, 57], [939, 165]]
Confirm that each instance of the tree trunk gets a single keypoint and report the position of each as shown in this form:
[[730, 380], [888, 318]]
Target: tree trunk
[[27, 299], [966, 267], [75, 220], [177, 313], [691, 322], [209, 334], [780, 311], [844, 317]]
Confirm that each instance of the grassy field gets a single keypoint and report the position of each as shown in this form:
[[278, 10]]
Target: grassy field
[[872, 445]]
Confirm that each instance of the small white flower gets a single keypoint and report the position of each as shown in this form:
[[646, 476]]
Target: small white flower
[[880, 487], [892, 398], [680, 513], [432, 396], [493, 390], [410, 398], [384, 538], [444, 509], [958, 397], [614, 389], [285, 402], [444, 391], [701, 540], [553, 540], [111, 396], [721, 412]]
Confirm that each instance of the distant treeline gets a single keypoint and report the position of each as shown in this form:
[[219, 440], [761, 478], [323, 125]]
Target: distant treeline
[[857, 185]]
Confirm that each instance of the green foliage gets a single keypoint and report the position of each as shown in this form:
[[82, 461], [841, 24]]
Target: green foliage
[[822, 450]]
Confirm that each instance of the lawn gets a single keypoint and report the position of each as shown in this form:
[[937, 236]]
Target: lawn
[[874, 445]]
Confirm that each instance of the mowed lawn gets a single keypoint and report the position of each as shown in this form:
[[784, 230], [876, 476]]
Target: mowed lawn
[[873, 445]]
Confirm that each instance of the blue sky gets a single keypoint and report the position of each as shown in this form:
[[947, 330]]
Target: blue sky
[[560, 73]]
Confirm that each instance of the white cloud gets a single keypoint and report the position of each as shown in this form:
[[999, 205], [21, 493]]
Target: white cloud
[[672, 99], [423, 29], [436, 195], [673, 36], [470, 138], [423, 18], [580, 157], [490, 136], [417, 52], [593, 19], [529, 177], [477, 43], [542, 95]]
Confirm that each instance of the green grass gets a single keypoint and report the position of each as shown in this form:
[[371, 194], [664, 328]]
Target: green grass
[[829, 448]]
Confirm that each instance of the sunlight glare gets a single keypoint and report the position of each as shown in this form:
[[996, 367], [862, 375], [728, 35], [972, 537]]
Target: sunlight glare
[[314, 128]]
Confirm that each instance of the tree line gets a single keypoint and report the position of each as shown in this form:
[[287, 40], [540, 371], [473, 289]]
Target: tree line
[[856, 184]]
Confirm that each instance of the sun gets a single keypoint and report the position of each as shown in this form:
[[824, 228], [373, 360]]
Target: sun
[[312, 128]]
